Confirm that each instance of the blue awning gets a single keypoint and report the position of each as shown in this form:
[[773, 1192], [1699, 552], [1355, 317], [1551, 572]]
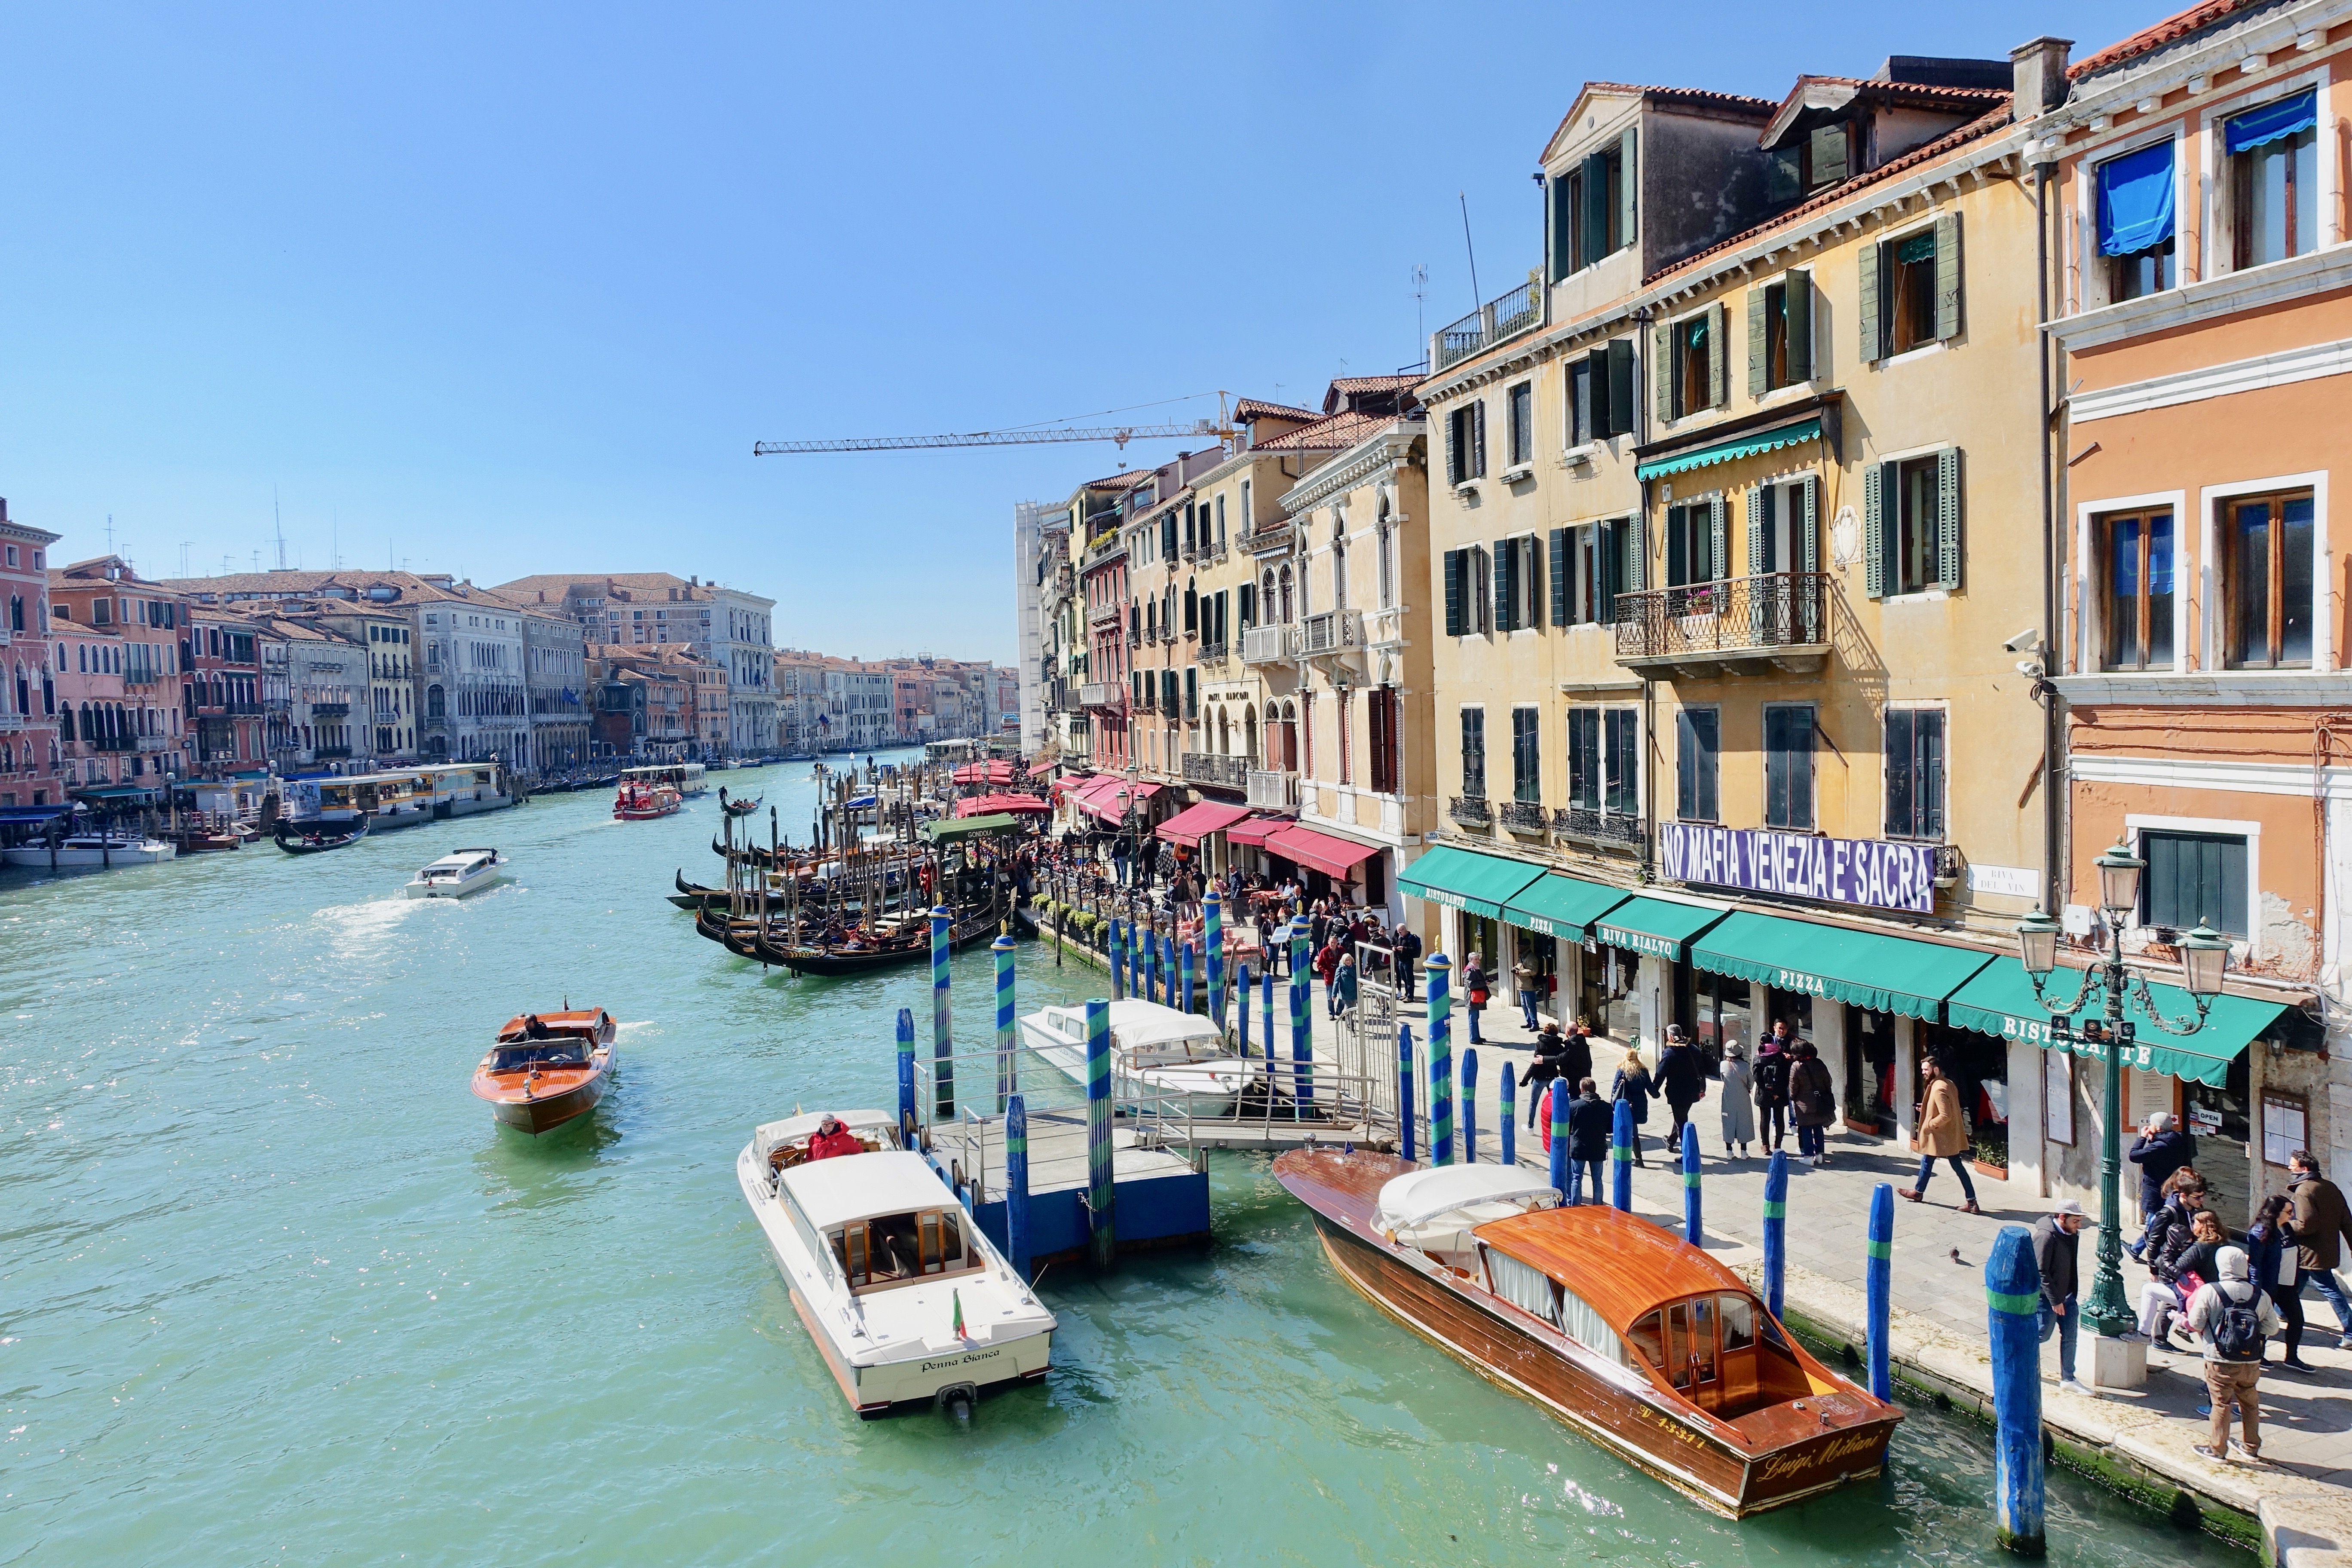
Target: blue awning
[[2135, 200], [2272, 122]]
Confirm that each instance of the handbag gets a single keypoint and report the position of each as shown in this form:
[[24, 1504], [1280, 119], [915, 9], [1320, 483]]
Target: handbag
[[1478, 997]]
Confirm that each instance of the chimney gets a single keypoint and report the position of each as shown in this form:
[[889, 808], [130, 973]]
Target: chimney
[[2038, 74]]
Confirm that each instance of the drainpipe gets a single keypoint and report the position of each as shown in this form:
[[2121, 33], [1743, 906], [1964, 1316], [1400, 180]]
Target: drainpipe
[[2054, 640], [1642, 405]]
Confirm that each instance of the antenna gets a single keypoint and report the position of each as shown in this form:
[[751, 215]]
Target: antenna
[[109, 533], [279, 519], [1419, 294], [184, 543], [1477, 298]]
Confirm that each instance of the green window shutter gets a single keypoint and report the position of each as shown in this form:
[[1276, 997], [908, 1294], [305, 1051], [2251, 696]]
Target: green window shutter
[[1947, 518], [1874, 531], [1874, 329], [1759, 524], [1948, 276], [1629, 186], [1596, 207], [1612, 568], [1560, 576], [1506, 576], [1756, 302], [1561, 239], [1453, 593], [1797, 293], [1662, 370], [1718, 550], [1478, 439], [1718, 357], [1192, 692], [1808, 549], [1620, 386], [1637, 547], [1452, 447], [1531, 569]]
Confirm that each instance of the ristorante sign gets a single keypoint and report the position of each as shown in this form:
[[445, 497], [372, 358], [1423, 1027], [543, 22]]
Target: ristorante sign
[[1867, 871]]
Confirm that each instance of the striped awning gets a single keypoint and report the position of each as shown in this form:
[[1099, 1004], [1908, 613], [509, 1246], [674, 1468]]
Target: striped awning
[[1795, 435]]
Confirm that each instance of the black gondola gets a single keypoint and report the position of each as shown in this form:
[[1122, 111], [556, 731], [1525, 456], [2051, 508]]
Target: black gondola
[[736, 808], [966, 930], [315, 838]]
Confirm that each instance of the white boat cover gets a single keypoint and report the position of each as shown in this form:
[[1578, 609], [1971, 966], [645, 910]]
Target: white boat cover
[[865, 1186], [1418, 1196]]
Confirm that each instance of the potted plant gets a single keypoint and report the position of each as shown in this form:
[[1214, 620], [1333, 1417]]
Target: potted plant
[[1857, 1115], [1990, 1158]]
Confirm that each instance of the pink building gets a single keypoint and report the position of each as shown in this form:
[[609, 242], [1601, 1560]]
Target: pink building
[[30, 769]]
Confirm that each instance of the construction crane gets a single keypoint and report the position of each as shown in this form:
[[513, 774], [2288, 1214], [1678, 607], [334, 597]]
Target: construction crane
[[1120, 433]]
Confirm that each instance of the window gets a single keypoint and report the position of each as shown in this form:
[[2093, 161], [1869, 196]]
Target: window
[[2136, 610], [1687, 365], [1915, 772], [1911, 290], [1192, 692], [1695, 551], [1221, 525], [1695, 752], [1602, 758], [1620, 750], [1473, 753], [1385, 711], [1912, 525], [1467, 603], [1599, 394], [1780, 529], [1789, 765], [1387, 564], [2266, 563], [1465, 443], [1521, 403], [1518, 583], [1526, 757], [1592, 208], [2193, 877], [2273, 179], [2136, 221], [1780, 333]]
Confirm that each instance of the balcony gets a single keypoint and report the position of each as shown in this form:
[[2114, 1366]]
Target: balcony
[[331, 753], [1101, 694], [1212, 653], [242, 710], [1471, 811], [1271, 789], [1519, 310], [1146, 698], [1777, 620], [1220, 772], [1268, 644], [1603, 829], [152, 743], [1332, 632], [10, 723], [1523, 816]]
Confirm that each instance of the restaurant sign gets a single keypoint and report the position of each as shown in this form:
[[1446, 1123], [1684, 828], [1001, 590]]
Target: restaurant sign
[[1864, 871]]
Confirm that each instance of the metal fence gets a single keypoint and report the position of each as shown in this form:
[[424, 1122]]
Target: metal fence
[[1736, 614]]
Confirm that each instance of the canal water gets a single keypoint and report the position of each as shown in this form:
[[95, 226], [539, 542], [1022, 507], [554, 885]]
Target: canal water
[[274, 1289]]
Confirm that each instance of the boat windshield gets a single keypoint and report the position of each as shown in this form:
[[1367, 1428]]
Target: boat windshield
[[895, 1249], [1722, 1352], [523, 1054]]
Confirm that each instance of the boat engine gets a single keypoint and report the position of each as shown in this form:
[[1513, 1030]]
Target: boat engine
[[956, 1401]]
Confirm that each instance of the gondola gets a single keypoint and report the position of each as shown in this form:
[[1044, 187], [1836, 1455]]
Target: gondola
[[736, 808], [967, 930], [291, 838]]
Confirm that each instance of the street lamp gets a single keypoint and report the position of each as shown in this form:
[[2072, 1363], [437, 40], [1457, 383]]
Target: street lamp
[[2204, 959]]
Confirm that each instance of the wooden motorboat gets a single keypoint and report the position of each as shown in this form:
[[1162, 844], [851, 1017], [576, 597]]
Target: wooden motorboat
[[1163, 1061], [538, 1079], [637, 801], [317, 837], [1644, 1343], [908, 1301], [456, 874], [80, 849]]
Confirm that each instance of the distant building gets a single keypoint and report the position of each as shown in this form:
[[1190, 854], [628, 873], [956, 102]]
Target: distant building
[[31, 763]]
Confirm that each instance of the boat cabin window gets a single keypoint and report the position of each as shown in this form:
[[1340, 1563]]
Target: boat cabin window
[[1529, 1289], [519, 1054], [894, 1249], [1722, 1352]]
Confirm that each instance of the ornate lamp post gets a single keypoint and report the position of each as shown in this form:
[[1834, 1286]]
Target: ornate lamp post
[[2204, 959]]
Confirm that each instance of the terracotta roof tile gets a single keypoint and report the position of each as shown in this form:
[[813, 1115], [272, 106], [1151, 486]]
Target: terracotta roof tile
[[1256, 408], [1373, 382], [1329, 433], [1688, 95], [2171, 30]]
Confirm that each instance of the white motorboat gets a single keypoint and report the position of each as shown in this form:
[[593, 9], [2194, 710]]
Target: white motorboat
[[91, 849], [1163, 1061], [907, 1301], [455, 874]]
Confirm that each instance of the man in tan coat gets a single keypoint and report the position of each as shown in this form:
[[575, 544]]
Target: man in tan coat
[[1943, 1135]]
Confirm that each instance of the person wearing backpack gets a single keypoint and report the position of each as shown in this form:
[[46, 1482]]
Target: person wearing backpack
[[2233, 1317]]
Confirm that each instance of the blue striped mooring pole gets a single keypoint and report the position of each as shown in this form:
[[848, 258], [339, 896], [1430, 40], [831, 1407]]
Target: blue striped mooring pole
[[1556, 1152], [1017, 1186], [906, 1077], [1213, 936], [1240, 1007], [1509, 1112], [1440, 973], [1151, 987], [1692, 1230], [1266, 983], [1101, 1194], [2013, 1294], [1621, 1156], [943, 1028], [1184, 971], [1776, 1229], [1118, 960], [1302, 1026], [1404, 1090], [1878, 1279], [1470, 1105], [1008, 1073]]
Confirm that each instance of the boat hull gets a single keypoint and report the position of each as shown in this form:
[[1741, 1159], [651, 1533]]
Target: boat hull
[[448, 889], [37, 857], [545, 1113]]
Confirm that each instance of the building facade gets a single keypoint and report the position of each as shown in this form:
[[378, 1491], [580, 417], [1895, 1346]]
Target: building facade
[[31, 758]]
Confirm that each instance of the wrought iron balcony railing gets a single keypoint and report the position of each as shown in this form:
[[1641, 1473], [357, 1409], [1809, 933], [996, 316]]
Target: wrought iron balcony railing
[[1602, 827], [1492, 323], [1777, 617], [1471, 809], [1209, 768], [1523, 815]]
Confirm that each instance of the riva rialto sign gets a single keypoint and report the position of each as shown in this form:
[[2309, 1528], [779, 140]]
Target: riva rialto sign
[[1865, 872]]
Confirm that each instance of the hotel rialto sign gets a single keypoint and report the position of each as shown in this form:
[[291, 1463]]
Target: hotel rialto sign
[[1867, 872]]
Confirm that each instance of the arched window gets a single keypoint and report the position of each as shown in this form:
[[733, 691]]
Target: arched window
[[1266, 600], [1284, 598], [435, 703], [1339, 576], [1387, 563], [1191, 609]]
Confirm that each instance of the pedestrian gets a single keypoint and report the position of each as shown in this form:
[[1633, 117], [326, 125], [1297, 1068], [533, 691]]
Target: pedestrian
[[1326, 964], [1528, 982], [2174, 1266], [1590, 1125], [2270, 1264], [1772, 1064], [1632, 1085], [1551, 1045], [1576, 1052], [1268, 941], [1813, 1099], [1408, 959], [1738, 1101], [2159, 1150], [1342, 992], [1943, 1135], [1473, 993], [2322, 1225], [1682, 1079], [2233, 1317], [2057, 1254]]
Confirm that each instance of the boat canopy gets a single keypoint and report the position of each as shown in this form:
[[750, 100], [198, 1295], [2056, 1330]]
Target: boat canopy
[[866, 1186], [940, 830], [1419, 1196]]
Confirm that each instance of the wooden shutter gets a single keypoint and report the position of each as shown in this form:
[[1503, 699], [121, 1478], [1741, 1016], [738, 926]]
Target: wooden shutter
[[1168, 697], [1875, 530], [1718, 357], [1620, 386], [1609, 544], [1596, 207], [1662, 370], [1560, 576], [1866, 311], [1191, 609], [1506, 575], [1452, 447], [1807, 529], [1478, 439], [1453, 593], [1560, 239], [1678, 566], [1718, 552], [1758, 298], [1628, 188], [1948, 276], [1797, 301], [1947, 518], [1531, 573], [1759, 528], [1636, 549]]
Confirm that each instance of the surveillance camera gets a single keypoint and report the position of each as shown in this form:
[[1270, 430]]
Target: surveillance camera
[[2023, 640], [2029, 666]]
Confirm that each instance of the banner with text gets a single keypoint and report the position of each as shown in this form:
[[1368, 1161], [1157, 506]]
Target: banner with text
[[1865, 872]]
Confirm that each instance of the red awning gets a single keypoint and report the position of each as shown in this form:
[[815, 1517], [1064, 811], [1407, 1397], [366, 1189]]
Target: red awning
[[1194, 822], [984, 772], [1320, 852], [1103, 799], [1069, 782], [1256, 830], [983, 804]]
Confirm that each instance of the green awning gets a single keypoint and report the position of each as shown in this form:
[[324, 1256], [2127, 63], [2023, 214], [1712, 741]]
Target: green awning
[[1739, 446], [941, 829], [1465, 880], [1884, 974], [119, 792], [1655, 926], [2001, 1000], [1561, 906]]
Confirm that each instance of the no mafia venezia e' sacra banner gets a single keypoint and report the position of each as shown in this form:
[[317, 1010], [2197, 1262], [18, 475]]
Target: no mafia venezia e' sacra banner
[[1867, 871]]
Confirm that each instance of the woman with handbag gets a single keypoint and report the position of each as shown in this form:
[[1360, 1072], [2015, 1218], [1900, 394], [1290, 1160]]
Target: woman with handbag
[[1633, 1086], [1738, 1101], [1473, 993], [1772, 1065], [1813, 1097], [2269, 1245]]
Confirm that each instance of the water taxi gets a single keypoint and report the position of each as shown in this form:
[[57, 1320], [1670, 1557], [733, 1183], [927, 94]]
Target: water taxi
[[637, 801], [908, 1301], [456, 874], [687, 778], [536, 1078], [1163, 1061], [1640, 1341], [80, 849]]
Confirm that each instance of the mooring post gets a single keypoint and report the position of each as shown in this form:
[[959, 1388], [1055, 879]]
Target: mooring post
[[1212, 937], [1556, 1147], [1509, 1112], [1241, 1008], [942, 1031], [1008, 1077], [2013, 1294], [1621, 1155], [1101, 1194], [1302, 1025], [1404, 1090], [1878, 1279], [1016, 1186], [1470, 1105], [906, 1077], [1184, 978], [1266, 983], [1692, 1231], [1776, 1229], [1151, 971], [1118, 960], [1441, 1066]]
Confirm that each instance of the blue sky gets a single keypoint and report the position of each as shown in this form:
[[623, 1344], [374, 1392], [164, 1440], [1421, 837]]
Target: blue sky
[[511, 288]]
